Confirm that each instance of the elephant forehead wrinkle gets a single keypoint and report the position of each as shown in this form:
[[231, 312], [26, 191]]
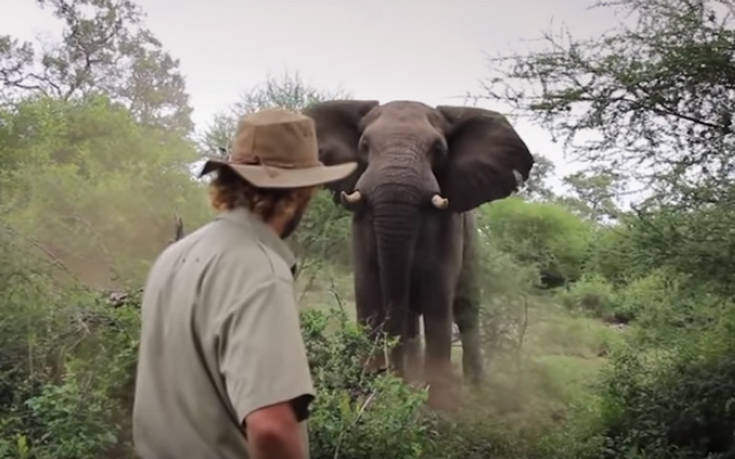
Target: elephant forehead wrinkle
[[398, 158], [403, 156], [396, 170], [394, 193], [397, 137]]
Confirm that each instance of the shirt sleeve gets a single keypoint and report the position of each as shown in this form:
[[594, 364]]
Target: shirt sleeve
[[262, 354]]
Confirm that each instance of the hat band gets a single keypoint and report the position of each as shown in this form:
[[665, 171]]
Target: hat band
[[256, 160]]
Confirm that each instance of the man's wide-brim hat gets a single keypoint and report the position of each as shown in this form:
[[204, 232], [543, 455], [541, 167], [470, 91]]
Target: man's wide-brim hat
[[277, 148]]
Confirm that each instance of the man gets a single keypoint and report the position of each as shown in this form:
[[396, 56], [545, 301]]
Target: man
[[222, 370]]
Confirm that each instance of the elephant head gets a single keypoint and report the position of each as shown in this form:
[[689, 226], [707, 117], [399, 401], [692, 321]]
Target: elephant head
[[413, 159], [462, 156]]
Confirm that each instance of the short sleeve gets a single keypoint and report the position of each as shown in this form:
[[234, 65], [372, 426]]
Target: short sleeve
[[262, 354]]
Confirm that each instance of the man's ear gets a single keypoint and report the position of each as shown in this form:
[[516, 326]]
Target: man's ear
[[486, 161], [338, 131]]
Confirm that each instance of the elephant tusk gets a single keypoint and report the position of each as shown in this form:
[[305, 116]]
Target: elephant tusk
[[352, 198], [519, 178], [439, 202]]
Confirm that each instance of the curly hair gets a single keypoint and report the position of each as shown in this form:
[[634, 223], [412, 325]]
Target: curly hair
[[229, 190]]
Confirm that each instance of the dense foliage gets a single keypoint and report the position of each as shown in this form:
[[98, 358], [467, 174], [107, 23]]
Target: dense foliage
[[67, 363], [545, 235], [105, 187], [104, 49], [359, 414], [648, 103], [608, 331], [653, 94]]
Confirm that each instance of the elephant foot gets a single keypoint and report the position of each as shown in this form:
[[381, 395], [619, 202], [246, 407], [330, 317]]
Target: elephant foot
[[472, 358], [444, 390], [474, 374], [445, 398], [413, 361]]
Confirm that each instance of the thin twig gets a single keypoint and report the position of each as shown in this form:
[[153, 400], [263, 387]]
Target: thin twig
[[370, 355], [54, 259], [357, 419], [333, 290], [522, 333], [307, 287]]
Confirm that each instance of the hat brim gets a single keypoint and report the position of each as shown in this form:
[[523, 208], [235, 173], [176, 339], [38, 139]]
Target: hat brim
[[279, 177]]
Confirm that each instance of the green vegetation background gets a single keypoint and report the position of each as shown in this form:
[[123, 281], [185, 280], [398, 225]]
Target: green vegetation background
[[608, 333]]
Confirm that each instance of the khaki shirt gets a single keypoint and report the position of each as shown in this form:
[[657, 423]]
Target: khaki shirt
[[220, 338]]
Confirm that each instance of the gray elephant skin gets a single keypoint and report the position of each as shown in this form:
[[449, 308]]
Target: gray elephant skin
[[421, 171]]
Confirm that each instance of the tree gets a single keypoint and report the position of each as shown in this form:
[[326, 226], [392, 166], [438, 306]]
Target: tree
[[536, 187], [289, 91], [594, 194], [95, 190], [104, 49], [545, 235], [652, 99]]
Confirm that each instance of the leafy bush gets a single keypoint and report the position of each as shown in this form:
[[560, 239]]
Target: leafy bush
[[662, 301], [503, 289], [698, 242], [591, 294], [676, 403], [576, 337], [324, 233], [69, 375], [669, 307], [611, 254], [105, 187], [468, 436], [541, 234], [357, 413], [70, 395]]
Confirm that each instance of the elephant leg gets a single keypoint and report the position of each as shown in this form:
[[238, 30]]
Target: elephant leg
[[437, 361], [467, 320], [397, 326], [435, 299], [466, 307], [413, 348], [368, 299]]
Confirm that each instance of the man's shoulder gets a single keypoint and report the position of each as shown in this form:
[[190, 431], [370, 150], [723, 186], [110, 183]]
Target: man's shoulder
[[235, 247], [220, 250], [258, 259]]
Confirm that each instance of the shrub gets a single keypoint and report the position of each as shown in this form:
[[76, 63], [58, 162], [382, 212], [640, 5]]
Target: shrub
[[677, 403], [700, 243], [70, 389], [541, 234], [503, 290], [611, 254], [467, 436], [94, 187], [594, 295], [669, 307], [357, 413], [77, 404], [324, 233]]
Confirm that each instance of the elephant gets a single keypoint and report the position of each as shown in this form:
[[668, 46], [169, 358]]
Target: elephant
[[421, 172]]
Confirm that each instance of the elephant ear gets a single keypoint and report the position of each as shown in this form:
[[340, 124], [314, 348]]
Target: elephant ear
[[487, 160], [338, 130]]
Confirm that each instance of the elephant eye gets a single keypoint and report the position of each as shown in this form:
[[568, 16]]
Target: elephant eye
[[364, 144], [439, 150]]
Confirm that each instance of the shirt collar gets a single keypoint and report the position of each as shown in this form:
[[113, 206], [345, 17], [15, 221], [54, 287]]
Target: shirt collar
[[266, 234]]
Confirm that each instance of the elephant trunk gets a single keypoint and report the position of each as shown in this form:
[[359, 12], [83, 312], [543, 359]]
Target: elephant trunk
[[395, 220]]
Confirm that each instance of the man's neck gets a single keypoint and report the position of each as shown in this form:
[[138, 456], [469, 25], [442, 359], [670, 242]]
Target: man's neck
[[277, 224]]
